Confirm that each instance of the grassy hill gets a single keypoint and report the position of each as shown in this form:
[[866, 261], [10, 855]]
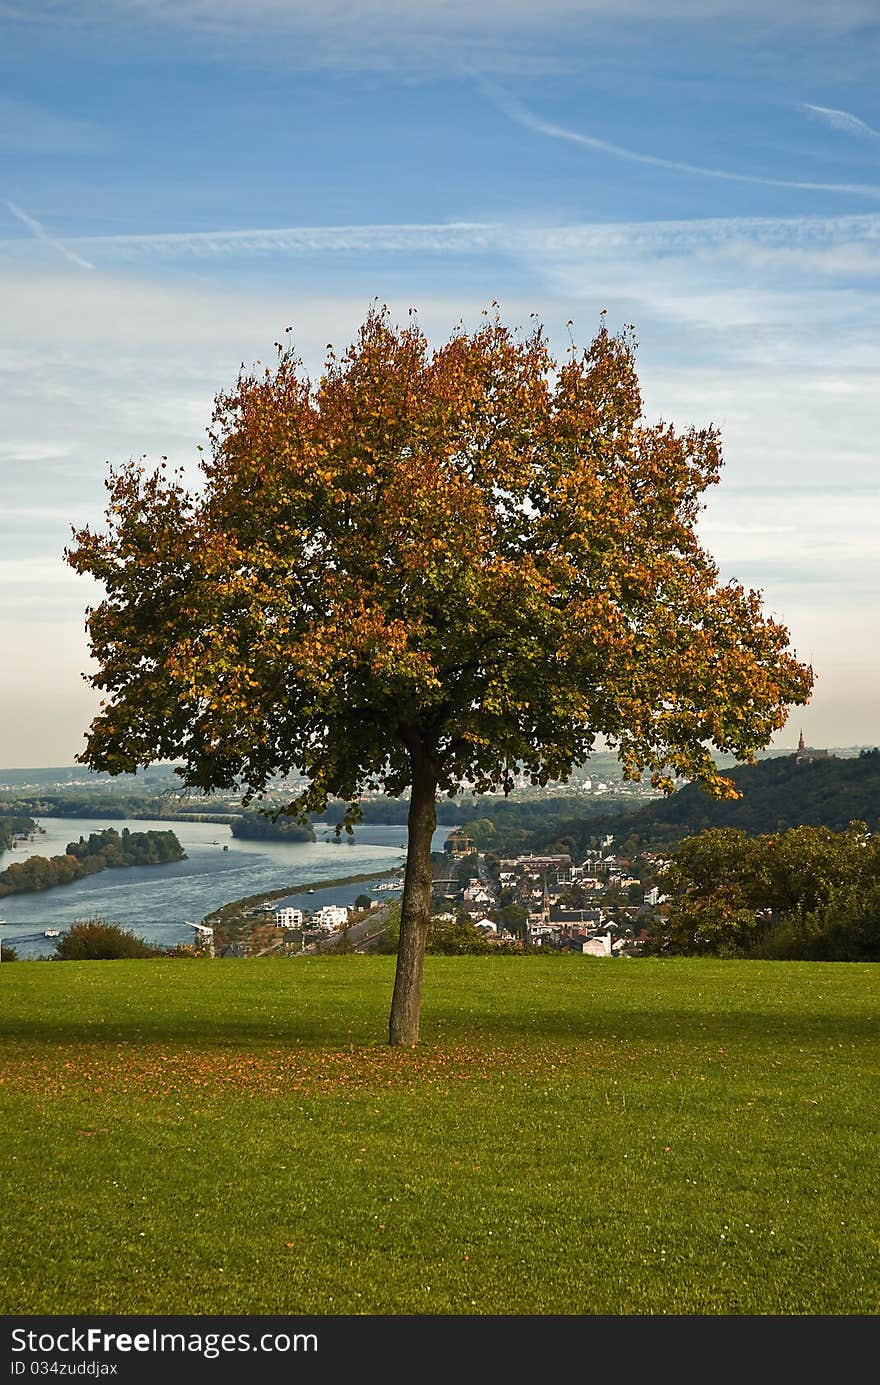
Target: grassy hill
[[573, 1136]]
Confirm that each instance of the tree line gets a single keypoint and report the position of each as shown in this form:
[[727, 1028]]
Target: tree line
[[808, 894], [773, 795], [89, 803], [12, 826]]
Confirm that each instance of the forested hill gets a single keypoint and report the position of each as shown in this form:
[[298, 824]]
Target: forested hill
[[782, 793], [775, 794]]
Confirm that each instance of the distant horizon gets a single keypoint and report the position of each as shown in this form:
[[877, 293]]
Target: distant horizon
[[169, 764]]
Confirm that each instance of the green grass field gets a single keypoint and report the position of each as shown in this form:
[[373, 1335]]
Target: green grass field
[[573, 1136]]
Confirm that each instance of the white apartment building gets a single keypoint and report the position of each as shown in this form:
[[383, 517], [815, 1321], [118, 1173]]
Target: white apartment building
[[331, 916], [289, 918]]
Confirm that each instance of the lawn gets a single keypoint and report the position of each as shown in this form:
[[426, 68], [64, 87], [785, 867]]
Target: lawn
[[573, 1136]]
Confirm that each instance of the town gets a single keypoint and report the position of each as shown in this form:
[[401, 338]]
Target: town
[[601, 905]]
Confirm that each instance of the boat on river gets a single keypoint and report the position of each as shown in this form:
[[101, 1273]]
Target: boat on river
[[51, 932]]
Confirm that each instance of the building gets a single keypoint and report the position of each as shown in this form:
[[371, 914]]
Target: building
[[459, 844], [591, 918], [476, 893], [536, 865], [598, 947], [331, 917], [806, 754], [289, 918]]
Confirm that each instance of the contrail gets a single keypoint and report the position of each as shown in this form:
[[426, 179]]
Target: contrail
[[811, 233], [516, 111], [42, 234], [843, 120], [305, 239]]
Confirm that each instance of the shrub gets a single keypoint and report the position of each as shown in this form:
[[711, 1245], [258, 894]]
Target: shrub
[[92, 940]]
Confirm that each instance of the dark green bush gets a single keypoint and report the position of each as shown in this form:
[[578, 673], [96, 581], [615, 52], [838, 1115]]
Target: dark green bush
[[92, 940]]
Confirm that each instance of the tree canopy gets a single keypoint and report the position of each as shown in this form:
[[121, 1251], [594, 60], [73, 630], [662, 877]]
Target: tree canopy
[[429, 567], [808, 892]]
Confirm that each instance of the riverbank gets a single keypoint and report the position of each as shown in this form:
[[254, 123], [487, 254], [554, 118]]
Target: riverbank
[[243, 906], [240, 921]]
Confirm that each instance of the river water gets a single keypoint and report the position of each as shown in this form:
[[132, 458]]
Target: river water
[[158, 901]]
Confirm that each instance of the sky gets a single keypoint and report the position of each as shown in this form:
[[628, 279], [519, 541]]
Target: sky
[[184, 179]]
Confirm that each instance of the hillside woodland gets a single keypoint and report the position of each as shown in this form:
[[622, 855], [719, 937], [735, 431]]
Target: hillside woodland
[[774, 795]]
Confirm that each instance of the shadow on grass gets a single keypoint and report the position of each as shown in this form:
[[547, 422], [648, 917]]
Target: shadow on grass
[[333, 1004], [661, 1026]]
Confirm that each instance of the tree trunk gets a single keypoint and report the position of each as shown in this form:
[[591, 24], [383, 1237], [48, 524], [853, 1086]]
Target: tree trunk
[[415, 908]]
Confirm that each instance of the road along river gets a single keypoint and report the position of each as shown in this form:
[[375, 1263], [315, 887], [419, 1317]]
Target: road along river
[[158, 901]]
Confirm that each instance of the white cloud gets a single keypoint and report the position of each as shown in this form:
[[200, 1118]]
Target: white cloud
[[844, 121], [361, 14], [833, 261], [37, 513], [27, 450], [418, 36], [825, 533], [452, 237], [830, 245], [39, 570]]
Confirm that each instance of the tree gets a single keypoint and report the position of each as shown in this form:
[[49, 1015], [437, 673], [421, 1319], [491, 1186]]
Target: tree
[[457, 936], [426, 569], [514, 919], [808, 892], [363, 901], [341, 941]]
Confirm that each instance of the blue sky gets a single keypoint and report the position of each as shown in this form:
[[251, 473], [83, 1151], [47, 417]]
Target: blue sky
[[181, 181]]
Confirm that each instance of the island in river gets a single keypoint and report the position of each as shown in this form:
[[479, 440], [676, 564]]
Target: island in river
[[262, 826], [99, 851], [14, 829]]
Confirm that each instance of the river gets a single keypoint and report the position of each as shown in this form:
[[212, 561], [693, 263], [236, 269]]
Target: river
[[156, 902]]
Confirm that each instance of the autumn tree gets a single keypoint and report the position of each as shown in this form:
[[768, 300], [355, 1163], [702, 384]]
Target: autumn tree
[[426, 568]]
